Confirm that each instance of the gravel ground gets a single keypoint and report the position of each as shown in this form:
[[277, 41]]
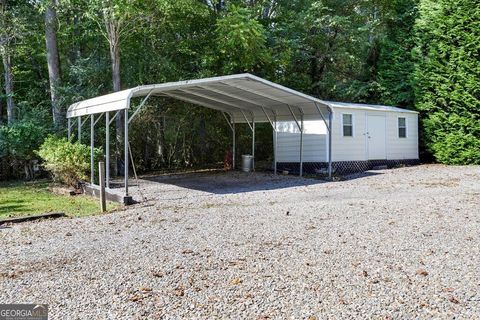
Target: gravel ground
[[399, 244]]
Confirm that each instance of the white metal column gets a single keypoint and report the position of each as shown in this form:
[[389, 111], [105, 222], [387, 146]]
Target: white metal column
[[301, 145], [330, 116], [107, 149], [234, 144], [275, 146], [92, 133], [300, 127], [231, 124], [126, 153], [79, 122], [253, 143], [274, 128]]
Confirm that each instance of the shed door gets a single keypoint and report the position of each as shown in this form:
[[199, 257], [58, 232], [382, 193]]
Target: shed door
[[376, 148]]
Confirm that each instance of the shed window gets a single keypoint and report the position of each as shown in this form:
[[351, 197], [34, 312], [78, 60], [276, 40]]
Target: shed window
[[347, 122], [402, 127]]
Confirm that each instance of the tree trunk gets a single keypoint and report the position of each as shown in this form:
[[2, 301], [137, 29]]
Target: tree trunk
[[1, 105], [120, 119], [7, 68], [53, 61]]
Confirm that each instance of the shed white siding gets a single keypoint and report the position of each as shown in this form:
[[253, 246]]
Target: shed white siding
[[345, 148], [348, 148], [402, 148], [314, 141]]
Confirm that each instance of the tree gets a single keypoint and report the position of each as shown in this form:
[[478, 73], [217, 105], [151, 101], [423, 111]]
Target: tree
[[7, 34], [53, 60], [241, 42], [115, 18], [447, 91], [395, 64]]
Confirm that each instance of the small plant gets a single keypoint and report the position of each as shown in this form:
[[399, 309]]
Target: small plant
[[68, 162]]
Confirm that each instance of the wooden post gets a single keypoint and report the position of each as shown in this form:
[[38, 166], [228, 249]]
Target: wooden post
[[101, 180]]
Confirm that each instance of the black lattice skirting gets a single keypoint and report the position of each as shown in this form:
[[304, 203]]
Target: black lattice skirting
[[343, 167]]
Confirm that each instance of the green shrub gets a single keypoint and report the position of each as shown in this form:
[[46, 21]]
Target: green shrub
[[17, 144], [68, 162], [453, 139]]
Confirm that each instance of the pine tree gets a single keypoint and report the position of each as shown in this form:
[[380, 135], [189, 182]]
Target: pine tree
[[395, 65], [447, 74]]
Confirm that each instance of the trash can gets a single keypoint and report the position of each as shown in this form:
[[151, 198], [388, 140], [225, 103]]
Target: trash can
[[247, 161]]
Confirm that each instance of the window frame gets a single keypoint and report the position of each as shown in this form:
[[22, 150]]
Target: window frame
[[398, 127], [353, 125]]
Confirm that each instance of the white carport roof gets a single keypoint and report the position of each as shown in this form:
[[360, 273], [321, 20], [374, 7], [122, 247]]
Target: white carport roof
[[241, 96]]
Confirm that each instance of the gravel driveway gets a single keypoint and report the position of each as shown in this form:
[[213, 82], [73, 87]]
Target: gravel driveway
[[399, 244]]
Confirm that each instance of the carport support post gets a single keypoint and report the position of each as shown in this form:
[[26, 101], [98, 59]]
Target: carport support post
[[330, 116], [301, 145], [233, 144], [92, 131], [69, 121], [275, 146], [79, 121], [253, 144], [107, 149], [126, 153]]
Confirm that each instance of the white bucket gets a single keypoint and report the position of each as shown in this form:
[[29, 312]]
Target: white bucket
[[247, 161]]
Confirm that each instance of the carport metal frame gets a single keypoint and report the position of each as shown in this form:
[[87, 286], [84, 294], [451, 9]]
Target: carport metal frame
[[187, 91]]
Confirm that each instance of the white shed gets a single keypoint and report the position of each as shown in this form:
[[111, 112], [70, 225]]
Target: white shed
[[363, 136]]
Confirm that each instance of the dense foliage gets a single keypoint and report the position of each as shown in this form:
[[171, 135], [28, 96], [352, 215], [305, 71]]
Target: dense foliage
[[18, 143], [447, 79], [417, 54], [68, 162]]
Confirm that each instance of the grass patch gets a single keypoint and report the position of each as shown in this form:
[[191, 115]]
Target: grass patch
[[18, 198]]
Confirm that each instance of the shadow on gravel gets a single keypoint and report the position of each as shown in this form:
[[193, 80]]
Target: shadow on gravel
[[360, 175], [221, 182]]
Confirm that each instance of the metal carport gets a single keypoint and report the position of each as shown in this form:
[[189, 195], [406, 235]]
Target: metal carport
[[243, 98]]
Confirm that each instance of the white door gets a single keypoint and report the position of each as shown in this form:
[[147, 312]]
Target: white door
[[376, 148]]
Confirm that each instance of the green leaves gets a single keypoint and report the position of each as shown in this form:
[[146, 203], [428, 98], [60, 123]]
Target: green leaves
[[68, 162], [19, 140], [241, 42], [446, 77]]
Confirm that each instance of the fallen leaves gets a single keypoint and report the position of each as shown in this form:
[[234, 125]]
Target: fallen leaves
[[422, 272], [140, 294], [179, 292], [135, 298], [236, 281], [158, 274], [452, 299]]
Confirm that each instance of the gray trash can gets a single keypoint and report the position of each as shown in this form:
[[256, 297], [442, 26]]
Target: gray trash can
[[247, 161]]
